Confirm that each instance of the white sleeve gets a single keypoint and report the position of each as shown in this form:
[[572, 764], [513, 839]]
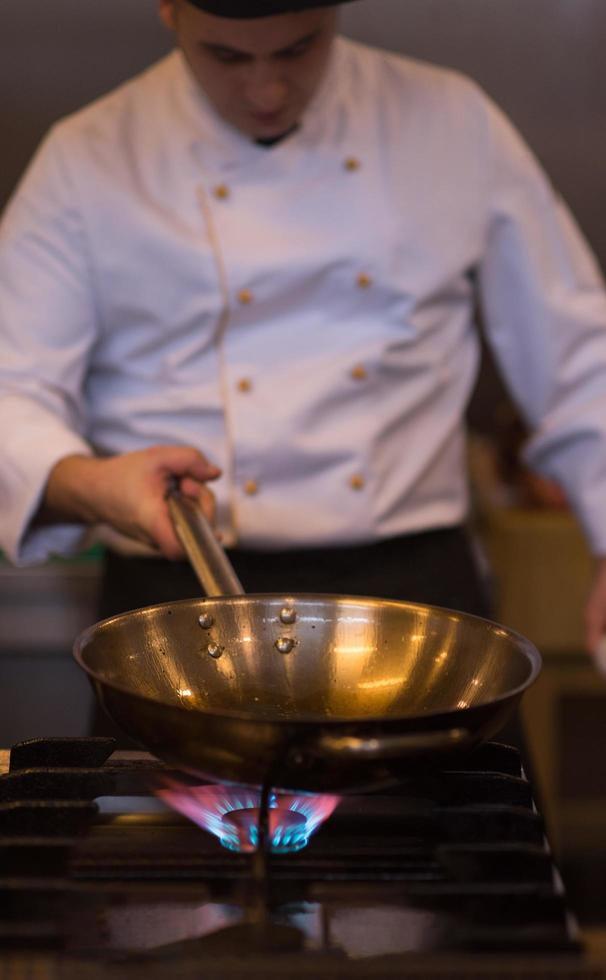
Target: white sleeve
[[544, 306], [47, 328]]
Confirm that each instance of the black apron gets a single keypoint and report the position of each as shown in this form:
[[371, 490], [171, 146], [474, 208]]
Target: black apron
[[434, 567]]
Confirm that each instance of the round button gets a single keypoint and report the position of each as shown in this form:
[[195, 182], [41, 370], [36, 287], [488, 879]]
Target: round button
[[221, 191], [359, 372], [357, 482], [351, 164], [364, 280], [251, 487], [245, 297], [244, 385]]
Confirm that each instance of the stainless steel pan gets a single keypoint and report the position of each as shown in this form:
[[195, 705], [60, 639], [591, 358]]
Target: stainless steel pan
[[310, 692]]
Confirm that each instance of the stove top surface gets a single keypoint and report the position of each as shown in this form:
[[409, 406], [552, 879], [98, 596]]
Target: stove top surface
[[98, 874]]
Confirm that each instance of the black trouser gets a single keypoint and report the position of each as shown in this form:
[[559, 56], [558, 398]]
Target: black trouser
[[434, 567]]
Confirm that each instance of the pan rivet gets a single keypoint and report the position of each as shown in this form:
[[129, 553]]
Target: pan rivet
[[214, 650], [288, 615], [284, 644], [205, 621]]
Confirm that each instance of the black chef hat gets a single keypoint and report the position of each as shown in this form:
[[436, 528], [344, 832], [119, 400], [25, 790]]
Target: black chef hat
[[245, 9]]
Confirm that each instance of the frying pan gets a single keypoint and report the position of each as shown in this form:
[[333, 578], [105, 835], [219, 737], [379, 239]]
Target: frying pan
[[309, 692]]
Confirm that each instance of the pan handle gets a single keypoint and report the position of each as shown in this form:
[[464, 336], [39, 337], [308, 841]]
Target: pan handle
[[349, 747], [206, 556]]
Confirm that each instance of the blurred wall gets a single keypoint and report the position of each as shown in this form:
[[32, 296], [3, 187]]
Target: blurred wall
[[57, 55], [542, 61]]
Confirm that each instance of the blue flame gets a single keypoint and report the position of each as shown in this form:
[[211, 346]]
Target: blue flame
[[210, 807], [284, 839]]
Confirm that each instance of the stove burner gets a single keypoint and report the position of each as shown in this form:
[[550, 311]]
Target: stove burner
[[232, 814], [451, 866], [287, 830]]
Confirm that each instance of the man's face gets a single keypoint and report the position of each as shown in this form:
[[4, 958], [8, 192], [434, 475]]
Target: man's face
[[259, 74]]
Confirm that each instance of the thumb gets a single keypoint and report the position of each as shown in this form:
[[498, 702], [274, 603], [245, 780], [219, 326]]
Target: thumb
[[186, 461]]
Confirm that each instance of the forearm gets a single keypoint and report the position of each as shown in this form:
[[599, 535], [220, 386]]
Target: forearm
[[72, 490]]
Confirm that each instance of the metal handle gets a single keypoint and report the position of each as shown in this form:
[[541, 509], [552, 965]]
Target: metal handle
[[348, 747], [206, 556]]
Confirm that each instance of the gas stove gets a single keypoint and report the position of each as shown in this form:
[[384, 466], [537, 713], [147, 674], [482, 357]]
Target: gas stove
[[447, 875]]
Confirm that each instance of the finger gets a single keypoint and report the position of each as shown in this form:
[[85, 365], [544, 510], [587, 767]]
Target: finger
[[203, 496], [203, 470], [165, 537], [595, 624], [598, 652], [186, 461], [169, 545], [207, 501], [593, 635]]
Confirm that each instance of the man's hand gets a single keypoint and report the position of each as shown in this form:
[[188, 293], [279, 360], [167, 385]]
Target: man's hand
[[128, 492], [595, 615]]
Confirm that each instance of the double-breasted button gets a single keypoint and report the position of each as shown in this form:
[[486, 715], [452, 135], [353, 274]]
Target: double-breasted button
[[251, 487], [245, 297], [359, 372], [357, 481], [351, 164], [221, 192], [363, 280], [244, 385]]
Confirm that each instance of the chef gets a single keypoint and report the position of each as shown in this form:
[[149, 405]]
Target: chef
[[255, 268]]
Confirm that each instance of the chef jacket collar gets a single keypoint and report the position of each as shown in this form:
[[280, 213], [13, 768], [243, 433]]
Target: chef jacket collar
[[225, 150]]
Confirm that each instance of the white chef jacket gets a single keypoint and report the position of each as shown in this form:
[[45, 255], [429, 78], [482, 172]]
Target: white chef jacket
[[303, 314]]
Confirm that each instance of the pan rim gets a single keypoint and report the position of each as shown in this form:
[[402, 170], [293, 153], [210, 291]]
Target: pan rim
[[524, 644]]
